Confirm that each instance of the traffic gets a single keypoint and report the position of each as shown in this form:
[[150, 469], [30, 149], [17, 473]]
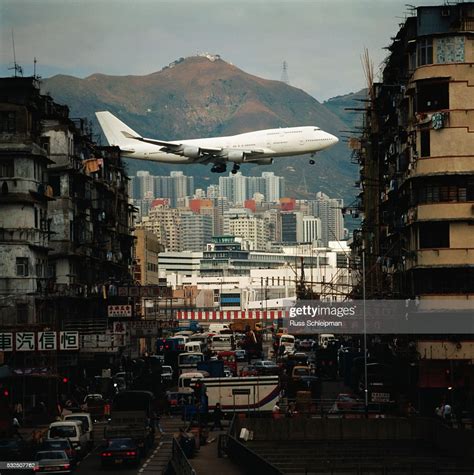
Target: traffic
[[201, 375]]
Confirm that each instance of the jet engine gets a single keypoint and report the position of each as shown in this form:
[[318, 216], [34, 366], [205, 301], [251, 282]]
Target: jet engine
[[191, 151], [264, 161], [236, 156]]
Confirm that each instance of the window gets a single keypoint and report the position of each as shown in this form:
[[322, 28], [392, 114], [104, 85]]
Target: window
[[425, 142], [434, 235], [436, 281], [21, 313], [54, 181], [45, 143], [22, 266], [39, 268], [425, 51], [7, 122], [432, 96], [6, 168]]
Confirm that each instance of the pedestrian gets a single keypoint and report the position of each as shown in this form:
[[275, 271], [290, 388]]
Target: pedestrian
[[16, 427], [291, 412], [217, 416], [18, 411], [411, 411], [447, 413], [276, 411], [157, 423]]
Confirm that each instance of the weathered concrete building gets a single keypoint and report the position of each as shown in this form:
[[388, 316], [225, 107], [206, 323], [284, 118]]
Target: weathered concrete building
[[65, 221], [24, 220], [417, 178]]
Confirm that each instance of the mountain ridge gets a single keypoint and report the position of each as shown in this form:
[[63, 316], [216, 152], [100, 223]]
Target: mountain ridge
[[198, 98]]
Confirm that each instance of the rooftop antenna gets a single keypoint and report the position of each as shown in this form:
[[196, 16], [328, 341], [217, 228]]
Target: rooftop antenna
[[16, 67], [36, 76], [284, 74]]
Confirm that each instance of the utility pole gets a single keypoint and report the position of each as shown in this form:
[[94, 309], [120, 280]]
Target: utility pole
[[366, 389]]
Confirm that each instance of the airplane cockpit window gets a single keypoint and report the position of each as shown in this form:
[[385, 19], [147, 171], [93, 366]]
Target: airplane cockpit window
[[317, 128]]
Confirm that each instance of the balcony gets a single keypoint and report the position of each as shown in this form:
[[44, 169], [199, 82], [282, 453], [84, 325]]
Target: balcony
[[443, 166], [445, 211], [450, 257]]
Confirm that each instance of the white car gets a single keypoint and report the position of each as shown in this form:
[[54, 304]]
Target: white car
[[166, 373]]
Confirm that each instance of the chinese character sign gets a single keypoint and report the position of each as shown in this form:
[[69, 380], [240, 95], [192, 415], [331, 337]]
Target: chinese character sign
[[6, 341], [69, 341], [120, 310], [47, 341], [25, 341]]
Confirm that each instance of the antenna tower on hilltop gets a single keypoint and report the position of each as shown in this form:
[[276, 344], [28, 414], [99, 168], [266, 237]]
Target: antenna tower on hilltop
[[284, 73]]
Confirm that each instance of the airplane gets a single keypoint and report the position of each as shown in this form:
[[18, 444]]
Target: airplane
[[259, 147]]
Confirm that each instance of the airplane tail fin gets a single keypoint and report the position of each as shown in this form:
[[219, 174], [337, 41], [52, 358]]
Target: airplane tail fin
[[116, 132]]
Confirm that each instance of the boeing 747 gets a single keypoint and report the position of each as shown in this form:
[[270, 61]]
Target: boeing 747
[[259, 147]]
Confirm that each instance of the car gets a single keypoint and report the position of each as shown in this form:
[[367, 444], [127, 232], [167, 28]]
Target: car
[[299, 372], [120, 451], [248, 371], [71, 430], [166, 373], [60, 444], [120, 384], [306, 345], [87, 425], [12, 449], [55, 461], [266, 367], [240, 355]]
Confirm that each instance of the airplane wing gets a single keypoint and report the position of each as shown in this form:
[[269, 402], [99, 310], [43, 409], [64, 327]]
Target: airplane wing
[[171, 147]]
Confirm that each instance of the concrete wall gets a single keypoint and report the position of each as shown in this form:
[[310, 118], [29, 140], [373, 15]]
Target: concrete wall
[[457, 441]]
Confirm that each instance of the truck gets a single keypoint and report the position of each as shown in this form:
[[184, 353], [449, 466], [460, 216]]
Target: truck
[[222, 343], [215, 368], [241, 394], [133, 416]]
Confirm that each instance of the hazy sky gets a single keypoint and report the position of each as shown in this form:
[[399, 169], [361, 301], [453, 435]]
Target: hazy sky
[[321, 40]]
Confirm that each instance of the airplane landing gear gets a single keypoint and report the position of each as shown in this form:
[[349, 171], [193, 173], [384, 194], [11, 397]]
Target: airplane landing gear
[[235, 169], [312, 162], [219, 169]]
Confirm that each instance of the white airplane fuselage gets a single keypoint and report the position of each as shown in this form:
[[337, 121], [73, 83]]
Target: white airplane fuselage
[[282, 142], [259, 147]]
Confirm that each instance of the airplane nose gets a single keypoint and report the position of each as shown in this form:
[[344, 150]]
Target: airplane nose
[[334, 139]]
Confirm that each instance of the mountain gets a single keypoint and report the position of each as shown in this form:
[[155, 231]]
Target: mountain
[[339, 105], [204, 97]]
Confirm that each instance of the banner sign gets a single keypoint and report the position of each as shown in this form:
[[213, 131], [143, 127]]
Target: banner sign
[[39, 341], [145, 328], [144, 291], [119, 310]]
